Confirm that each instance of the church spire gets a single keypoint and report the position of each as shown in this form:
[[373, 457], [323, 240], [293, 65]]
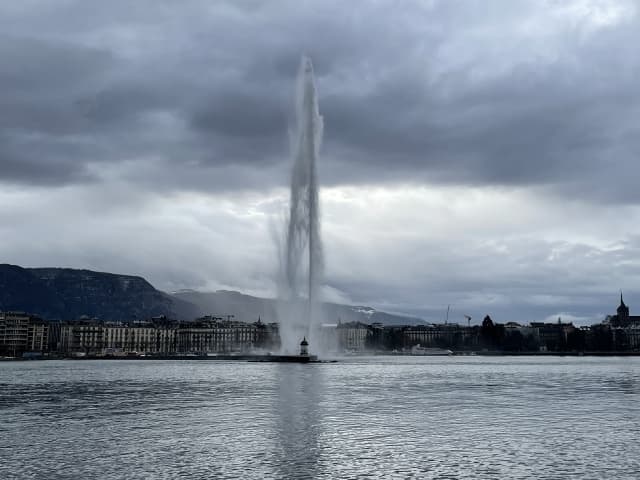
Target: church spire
[[623, 312]]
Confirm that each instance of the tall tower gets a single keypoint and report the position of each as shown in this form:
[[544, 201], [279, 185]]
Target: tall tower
[[623, 312]]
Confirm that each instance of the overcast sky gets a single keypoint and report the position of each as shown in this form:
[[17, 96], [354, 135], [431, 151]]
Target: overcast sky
[[483, 154]]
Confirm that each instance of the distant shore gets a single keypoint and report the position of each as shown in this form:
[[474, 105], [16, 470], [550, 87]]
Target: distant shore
[[279, 358]]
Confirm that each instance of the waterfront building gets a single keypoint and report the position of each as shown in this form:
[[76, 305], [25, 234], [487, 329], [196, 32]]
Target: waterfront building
[[524, 330], [438, 336], [38, 336], [156, 336], [82, 337], [215, 335], [625, 338], [619, 332], [14, 331], [622, 317], [21, 333], [553, 336], [424, 335], [377, 336], [632, 334], [353, 336]]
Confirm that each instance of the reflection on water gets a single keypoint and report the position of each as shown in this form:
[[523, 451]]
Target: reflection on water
[[428, 417], [298, 420]]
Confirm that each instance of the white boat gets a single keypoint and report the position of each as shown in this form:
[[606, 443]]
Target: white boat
[[418, 350]]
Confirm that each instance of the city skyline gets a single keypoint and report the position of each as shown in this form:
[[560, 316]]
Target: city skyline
[[474, 156]]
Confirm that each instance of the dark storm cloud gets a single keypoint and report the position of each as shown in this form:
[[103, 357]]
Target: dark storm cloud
[[241, 115], [455, 92], [22, 161], [526, 126]]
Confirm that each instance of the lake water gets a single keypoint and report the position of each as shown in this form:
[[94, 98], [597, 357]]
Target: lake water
[[377, 417]]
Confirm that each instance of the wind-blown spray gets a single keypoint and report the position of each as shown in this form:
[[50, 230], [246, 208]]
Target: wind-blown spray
[[302, 260]]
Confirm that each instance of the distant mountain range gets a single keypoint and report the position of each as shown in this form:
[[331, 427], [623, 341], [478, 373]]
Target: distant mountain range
[[224, 302], [65, 293]]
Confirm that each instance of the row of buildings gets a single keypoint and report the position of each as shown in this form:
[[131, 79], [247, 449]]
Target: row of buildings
[[492, 337], [162, 336], [21, 334], [617, 333]]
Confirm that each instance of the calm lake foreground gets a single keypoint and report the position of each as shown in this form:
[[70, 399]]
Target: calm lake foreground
[[374, 417]]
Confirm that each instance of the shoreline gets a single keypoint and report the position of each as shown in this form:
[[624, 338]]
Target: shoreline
[[313, 359]]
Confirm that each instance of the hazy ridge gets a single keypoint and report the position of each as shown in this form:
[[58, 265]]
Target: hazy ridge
[[66, 293]]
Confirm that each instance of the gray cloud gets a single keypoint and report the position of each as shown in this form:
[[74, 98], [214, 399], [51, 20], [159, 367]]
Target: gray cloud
[[164, 99], [445, 91]]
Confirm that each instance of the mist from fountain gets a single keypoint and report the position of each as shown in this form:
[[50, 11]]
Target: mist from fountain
[[299, 308]]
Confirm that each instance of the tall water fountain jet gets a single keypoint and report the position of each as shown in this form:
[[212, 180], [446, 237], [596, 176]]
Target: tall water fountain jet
[[302, 261]]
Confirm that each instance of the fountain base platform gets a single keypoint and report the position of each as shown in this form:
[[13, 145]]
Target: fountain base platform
[[287, 358]]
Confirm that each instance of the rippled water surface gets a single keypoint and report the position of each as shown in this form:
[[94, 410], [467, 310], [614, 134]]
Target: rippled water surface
[[379, 417]]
